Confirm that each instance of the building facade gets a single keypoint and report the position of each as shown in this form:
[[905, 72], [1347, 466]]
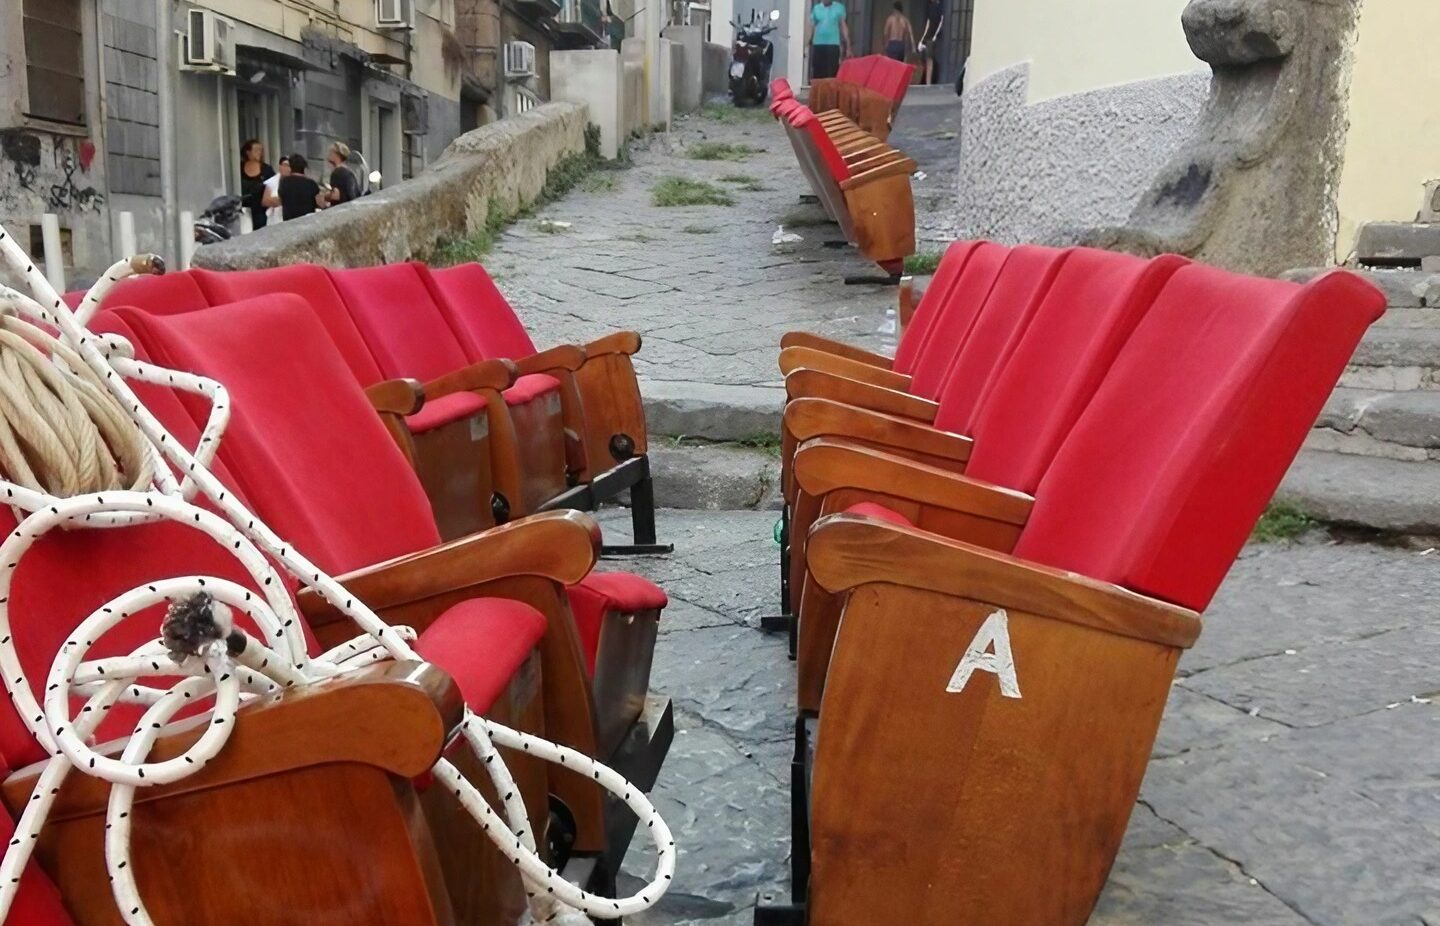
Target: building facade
[[93, 91]]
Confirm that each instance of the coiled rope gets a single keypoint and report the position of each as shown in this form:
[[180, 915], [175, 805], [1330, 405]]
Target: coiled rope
[[137, 486]]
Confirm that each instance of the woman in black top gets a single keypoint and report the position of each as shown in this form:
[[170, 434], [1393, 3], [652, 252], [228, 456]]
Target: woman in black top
[[297, 194], [253, 174], [930, 37]]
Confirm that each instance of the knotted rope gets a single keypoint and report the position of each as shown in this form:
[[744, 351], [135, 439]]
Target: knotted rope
[[122, 479]]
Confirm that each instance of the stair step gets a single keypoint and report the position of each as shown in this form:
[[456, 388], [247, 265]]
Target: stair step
[[1403, 288], [1407, 419], [1388, 495], [1396, 360], [1397, 244]]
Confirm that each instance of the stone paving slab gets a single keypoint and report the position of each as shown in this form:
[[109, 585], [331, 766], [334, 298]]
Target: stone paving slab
[[1319, 809]]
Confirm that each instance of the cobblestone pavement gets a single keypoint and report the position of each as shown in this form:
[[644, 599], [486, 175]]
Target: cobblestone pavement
[[704, 285], [1293, 782]]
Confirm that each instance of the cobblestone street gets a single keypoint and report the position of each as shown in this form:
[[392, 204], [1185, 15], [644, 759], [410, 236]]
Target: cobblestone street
[[1293, 781]]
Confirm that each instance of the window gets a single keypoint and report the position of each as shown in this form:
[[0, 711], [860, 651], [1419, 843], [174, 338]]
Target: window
[[54, 66]]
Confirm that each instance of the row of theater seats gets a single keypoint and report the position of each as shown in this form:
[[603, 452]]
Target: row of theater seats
[[321, 798], [868, 89], [999, 543], [495, 428], [862, 182]]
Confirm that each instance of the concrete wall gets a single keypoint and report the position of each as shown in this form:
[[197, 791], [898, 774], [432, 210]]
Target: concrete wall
[[632, 97], [1073, 47], [1393, 146], [1038, 171], [715, 72], [593, 78], [688, 44], [505, 162]]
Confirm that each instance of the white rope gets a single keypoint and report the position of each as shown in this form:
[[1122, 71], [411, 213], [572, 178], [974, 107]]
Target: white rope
[[216, 672]]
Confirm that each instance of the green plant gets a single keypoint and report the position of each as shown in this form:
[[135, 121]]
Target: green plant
[[1281, 521], [472, 248], [744, 182], [769, 443], [720, 151], [922, 264], [683, 191], [598, 182]]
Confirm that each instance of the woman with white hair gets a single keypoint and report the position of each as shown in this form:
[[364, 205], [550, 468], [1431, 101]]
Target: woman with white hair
[[343, 185]]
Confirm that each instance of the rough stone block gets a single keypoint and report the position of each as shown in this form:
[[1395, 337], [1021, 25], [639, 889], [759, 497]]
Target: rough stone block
[[711, 411], [1387, 495], [1397, 244], [712, 476]]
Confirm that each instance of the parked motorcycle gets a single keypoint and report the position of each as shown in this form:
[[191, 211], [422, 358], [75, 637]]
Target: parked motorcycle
[[220, 221], [751, 59]]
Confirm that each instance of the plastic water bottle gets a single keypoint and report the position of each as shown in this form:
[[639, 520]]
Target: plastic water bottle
[[887, 331]]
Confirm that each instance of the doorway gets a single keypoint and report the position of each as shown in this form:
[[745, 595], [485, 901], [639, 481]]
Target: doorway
[[257, 115]]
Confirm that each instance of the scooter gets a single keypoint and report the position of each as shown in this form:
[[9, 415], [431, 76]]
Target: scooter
[[751, 60], [220, 221]]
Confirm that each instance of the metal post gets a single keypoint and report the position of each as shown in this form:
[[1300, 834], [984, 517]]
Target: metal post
[[247, 223], [54, 251], [187, 242], [128, 247], [165, 66]]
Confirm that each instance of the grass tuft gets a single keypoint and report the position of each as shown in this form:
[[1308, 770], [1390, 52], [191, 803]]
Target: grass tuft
[[743, 182], [682, 191], [922, 264], [720, 151], [1281, 521]]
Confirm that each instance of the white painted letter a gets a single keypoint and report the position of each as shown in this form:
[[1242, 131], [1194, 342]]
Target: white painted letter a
[[995, 632]]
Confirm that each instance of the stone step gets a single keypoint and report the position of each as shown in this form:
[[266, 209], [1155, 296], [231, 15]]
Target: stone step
[[1403, 288], [1395, 425], [1386, 495], [714, 477], [1397, 244], [713, 411], [1395, 360]]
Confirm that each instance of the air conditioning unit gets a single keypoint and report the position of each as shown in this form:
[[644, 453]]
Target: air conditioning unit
[[207, 41], [395, 14], [519, 59]]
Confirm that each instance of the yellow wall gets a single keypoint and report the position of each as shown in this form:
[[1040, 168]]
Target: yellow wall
[[1393, 145], [1078, 45]]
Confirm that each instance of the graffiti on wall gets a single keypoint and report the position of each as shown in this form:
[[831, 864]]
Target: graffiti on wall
[[48, 173]]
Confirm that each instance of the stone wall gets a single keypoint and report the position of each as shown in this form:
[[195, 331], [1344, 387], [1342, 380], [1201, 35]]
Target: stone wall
[[1040, 172], [716, 69], [505, 162]]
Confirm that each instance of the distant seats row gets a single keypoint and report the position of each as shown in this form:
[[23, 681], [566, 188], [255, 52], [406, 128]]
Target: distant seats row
[[1001, 540], [862, 182], [868, 90]]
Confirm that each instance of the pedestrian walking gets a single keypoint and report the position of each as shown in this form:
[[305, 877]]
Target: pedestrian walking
[[899, 36], [930, 37], [829, 38], [254, 174]]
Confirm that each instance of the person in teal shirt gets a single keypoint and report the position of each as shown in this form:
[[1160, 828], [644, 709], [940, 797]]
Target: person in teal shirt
[[829, 38]]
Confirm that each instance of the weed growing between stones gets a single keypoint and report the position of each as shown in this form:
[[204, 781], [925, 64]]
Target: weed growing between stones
[[683, 191], [922, 264], [744, 182], [720, 151], [1281, 521]]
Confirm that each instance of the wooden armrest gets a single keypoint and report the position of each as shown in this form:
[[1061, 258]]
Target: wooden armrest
[[820, 384], [396, 396], [563, 358], [560, 546], [497, 375], [396, 716], [901, 168], [846, 552], [823, 466], [838, 348], [809, 358], [807, 419], [621, 342]]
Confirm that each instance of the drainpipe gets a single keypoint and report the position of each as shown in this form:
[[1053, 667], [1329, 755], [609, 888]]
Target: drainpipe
[[165, 64]]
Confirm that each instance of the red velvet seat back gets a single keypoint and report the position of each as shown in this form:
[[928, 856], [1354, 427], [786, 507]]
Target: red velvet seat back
[[954, 319], [400, 319], [476, 309], [166, 294], [304, 441], [931, 300], [1092, 308], [856, 70], [1023, 283], [1165, 473], [890, 78], [780, 89], [311, 282]]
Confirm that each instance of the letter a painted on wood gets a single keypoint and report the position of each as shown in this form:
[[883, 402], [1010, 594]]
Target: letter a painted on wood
[[989, 652]]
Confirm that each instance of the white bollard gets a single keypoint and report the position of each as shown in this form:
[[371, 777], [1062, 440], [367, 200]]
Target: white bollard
[[54, 251], [128, 247], [187, 238], [247, 224]]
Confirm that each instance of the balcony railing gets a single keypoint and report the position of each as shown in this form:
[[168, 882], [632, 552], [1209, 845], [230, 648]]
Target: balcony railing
[[581, 18]]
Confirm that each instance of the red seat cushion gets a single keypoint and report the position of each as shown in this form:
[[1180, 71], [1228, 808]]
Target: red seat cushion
[[1162, 478], [444, 410], [401, 321], [954, 318], [530, 387], [1022, 285], [602, 593], [890, 78], [312, 283], [1092, 308], [482, 643], [942, 283], [857, 70], [780, 89], [879, 513], [475, 307]]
